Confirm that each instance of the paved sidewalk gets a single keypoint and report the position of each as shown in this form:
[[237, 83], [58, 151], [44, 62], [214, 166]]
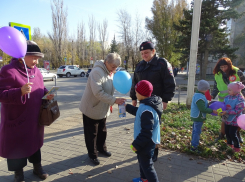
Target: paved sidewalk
[[65, 157]]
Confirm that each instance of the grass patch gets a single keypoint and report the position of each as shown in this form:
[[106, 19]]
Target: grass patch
[[176, 131]]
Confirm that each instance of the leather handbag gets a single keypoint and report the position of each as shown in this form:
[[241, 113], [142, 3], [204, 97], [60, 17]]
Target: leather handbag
[[49, 112]]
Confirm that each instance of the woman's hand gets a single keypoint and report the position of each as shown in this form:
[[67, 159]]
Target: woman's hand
[[25, 89], [120, 101], [50, 97]]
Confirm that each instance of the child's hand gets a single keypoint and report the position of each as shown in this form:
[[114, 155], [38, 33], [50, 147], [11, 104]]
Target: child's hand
[[134, 149], [215, 112], [223, 113]]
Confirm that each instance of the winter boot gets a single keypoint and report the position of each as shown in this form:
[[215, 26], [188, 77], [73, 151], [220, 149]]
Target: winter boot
[[38, 170], [236, 149], [239, 137], [19, 176], [155, 155]]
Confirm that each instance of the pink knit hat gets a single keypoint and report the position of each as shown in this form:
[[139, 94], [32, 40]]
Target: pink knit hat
[[144, 88], [236, 86]]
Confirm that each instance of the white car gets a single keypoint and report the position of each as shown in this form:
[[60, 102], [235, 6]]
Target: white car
[[70, 70], [121, 69], [47, 75]]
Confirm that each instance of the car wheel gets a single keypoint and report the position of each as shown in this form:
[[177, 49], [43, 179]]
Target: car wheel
[[60, 76], [82, 74], [68, 75], [75, 75]]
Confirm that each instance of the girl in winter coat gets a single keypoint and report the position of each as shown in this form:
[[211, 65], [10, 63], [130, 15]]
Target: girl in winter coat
[[234, 106]]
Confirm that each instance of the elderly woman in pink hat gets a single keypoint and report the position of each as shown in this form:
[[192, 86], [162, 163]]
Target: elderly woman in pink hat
[[21, 137]]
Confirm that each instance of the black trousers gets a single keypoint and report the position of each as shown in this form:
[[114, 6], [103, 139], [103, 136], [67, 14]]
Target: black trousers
[[17, 164], [231, 135], [95, 135]]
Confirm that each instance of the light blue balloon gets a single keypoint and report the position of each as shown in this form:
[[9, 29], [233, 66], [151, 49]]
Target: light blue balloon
[[122, 81]]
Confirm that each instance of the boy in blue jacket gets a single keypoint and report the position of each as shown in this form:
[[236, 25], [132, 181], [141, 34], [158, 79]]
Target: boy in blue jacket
[[199, 109], [146, 129]]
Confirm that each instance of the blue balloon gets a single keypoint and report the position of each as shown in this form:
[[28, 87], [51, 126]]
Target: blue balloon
[[122, 81]]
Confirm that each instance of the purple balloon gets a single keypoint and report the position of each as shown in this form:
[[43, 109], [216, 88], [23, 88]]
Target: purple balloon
[[241, 121], [12, 42], [217, 105]]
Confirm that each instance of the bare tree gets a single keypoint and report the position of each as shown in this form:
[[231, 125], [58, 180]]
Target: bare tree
[[92, 36], [124, 24], [81, 43], [137, 38], [103, 36], [36, 34], [59, 34]]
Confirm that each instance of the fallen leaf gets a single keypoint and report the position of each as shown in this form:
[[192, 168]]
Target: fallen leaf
[[199, 163], [70, 172], [223, 164], [169, 158], [109, 172], [191, 159]]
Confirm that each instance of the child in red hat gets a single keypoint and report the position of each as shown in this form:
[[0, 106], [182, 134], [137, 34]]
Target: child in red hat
[[146, 129]]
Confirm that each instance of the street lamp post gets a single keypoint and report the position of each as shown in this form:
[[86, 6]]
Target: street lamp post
[[193, 51]]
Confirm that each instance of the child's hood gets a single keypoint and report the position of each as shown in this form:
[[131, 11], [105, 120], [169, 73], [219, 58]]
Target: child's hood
[[155, 102]]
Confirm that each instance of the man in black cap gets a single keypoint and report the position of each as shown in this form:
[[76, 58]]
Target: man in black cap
[[159, 72]]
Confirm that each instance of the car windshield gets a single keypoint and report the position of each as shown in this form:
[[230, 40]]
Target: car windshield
[[61, 67]]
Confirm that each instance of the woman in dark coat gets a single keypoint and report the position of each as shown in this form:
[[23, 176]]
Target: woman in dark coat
[[21, 137]]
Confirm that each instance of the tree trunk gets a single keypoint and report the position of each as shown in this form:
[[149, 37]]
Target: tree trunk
[[201, 60], [205, 63]]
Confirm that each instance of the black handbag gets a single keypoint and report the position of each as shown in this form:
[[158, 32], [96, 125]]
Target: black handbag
[[49, 112]]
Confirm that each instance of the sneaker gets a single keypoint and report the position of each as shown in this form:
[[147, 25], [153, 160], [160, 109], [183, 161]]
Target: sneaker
[[193, 149], [139, 180]]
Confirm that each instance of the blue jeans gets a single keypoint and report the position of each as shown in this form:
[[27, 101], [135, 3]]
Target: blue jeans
[[197, 130], [147, 170]]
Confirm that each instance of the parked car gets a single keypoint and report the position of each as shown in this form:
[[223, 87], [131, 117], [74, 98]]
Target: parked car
[[121, 69], [70, 70], [88, 72], [47, 75]]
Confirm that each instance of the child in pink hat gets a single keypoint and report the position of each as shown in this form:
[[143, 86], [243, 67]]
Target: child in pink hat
[[235, 104]]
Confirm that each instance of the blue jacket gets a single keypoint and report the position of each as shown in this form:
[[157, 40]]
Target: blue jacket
[[147, 122], [195, 112]]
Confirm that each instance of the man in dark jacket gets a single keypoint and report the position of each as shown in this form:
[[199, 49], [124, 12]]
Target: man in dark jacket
[[159, 72]]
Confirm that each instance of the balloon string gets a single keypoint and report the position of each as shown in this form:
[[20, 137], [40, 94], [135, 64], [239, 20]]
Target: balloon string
[[26, 74]]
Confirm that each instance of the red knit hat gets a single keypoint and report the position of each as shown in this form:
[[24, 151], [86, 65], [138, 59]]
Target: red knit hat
[[144, 88]]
